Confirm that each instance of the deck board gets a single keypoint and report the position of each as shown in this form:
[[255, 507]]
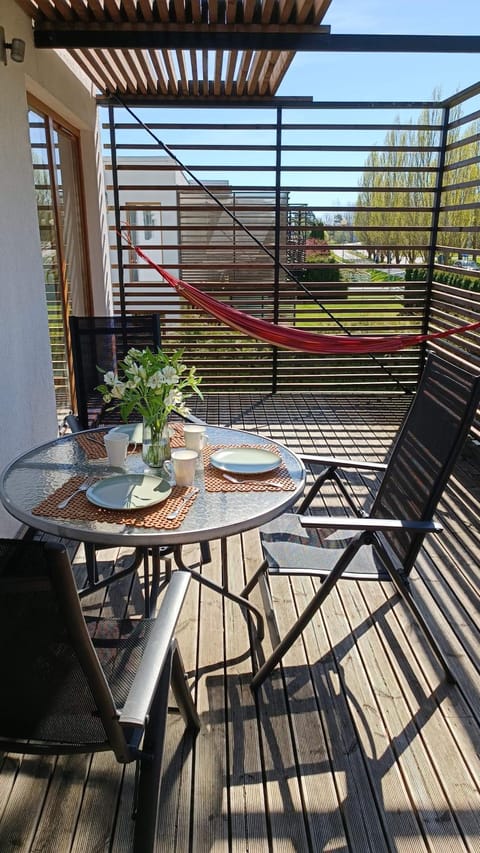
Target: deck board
[[355, 743]]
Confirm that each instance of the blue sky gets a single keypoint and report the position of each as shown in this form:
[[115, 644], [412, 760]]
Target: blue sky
[[358, 76], [355, 77]]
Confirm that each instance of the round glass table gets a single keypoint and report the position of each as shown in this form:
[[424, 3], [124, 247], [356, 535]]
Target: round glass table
[[215, 512]]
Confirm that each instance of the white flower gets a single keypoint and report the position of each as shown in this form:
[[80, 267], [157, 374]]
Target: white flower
[[133, 383], [137, 371], [170, 375], [173, 399], [133, 354], [182, 409], [156, 380], [109, 378], [118, 389]]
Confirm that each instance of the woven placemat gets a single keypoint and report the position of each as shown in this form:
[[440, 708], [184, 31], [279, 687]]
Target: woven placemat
[[94, 447], [216, 482], [81, 509]]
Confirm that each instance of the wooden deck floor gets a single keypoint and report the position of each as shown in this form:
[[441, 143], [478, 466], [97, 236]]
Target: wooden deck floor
[[355, 744]]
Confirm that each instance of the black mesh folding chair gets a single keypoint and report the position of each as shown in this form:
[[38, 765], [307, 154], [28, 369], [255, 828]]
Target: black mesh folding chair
[[98, 344], [382, 542], [73, 684]]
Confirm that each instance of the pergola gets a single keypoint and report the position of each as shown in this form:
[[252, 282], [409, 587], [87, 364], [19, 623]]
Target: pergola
[[152, 49], [150, 53]]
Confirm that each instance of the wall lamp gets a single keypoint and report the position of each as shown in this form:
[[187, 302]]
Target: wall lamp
[[16, 47]]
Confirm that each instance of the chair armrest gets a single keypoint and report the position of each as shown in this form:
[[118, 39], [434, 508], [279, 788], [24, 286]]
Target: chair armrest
[[338, 462], [140, 697], [192, 419], [350, 523], [73, 423]]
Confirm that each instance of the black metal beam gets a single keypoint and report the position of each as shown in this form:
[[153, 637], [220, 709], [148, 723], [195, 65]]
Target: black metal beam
[[191, 37], [257, 102]]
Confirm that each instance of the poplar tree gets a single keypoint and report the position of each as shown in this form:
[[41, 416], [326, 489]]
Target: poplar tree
[[403, 180]]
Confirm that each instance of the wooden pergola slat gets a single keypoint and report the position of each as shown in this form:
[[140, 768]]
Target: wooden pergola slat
[[136, 69]]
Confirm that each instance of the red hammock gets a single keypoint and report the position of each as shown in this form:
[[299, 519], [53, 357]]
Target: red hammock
[[291, 338]]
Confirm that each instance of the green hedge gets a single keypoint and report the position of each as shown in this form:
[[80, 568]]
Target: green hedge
[[451, 278], [319, 274]]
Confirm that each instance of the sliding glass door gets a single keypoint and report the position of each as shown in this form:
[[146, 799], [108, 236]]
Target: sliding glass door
[[57, 176]]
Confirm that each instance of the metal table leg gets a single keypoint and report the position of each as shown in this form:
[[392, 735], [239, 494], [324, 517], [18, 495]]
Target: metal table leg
[[222, 590]]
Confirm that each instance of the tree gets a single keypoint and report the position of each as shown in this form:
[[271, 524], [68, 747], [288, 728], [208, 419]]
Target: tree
[[317, 232], [398, 188], [318, 255], [461, 193]]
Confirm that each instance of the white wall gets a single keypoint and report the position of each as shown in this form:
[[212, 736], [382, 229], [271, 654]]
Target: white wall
[[27, 402], [144, 194]]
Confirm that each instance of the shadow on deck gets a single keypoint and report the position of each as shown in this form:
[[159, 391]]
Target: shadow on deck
[[355, 744]]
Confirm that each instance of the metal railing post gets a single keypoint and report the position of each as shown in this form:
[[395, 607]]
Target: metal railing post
[[434, 227], [116, 203], [277, 233]]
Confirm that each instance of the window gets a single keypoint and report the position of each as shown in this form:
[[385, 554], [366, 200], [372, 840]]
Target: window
[[144, 223], [148, 220]]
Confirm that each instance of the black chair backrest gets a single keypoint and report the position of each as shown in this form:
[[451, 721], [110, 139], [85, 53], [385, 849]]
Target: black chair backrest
[[53, 691], [426, 450], [98, 344]]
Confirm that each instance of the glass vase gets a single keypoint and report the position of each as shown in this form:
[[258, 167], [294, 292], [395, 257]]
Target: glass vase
[[155, 443]]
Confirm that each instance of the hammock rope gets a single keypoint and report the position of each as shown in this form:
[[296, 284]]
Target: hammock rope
[[289, 337]]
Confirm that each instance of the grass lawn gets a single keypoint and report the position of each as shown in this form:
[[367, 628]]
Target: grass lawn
[[309, 314]]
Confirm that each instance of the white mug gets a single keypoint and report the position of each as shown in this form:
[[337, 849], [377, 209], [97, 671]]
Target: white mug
[[195, 437], [116, 444], [182, 466]]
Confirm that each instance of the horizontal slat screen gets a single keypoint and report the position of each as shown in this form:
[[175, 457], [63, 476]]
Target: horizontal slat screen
[[368, 206]]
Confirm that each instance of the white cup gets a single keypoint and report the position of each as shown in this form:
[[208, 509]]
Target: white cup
[[182, 466], [195, 439], [116, 444]]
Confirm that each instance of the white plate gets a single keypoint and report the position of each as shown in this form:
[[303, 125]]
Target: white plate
[[245, 460], [129, 491], [134, 432]]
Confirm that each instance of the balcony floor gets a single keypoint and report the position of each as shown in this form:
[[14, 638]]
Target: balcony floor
[[355, 744]]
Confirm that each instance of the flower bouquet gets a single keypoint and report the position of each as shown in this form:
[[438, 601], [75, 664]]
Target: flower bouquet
[[153, 385]]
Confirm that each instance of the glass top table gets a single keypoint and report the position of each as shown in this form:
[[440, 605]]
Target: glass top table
[[35, 475]]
